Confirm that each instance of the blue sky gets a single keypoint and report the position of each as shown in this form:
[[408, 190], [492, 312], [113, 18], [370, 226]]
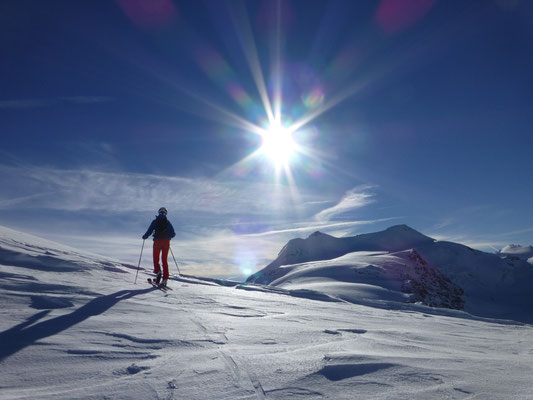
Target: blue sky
[[414, 112]]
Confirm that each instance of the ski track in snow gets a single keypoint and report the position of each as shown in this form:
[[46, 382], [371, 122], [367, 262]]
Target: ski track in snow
[[87, 331]]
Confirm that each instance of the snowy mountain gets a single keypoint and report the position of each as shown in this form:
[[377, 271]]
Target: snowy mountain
[[320, 246], [74, 325], [401, 264], [517, 252]]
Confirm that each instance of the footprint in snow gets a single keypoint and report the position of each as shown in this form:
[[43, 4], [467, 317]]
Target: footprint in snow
[[131, 370]]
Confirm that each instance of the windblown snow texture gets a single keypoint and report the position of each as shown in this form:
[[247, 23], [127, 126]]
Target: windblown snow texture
[[73, 325]]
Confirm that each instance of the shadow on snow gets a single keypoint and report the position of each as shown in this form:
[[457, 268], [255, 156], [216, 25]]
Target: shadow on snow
[[26, 334]]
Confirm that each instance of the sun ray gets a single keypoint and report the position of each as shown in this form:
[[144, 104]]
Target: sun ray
[[277, 66], [246, 38], [221, 115], [240, 168], [295, 194], [231, 118], [324, 160], [334, 101], [279, 154]]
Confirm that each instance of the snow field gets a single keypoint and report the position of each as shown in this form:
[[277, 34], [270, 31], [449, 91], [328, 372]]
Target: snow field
[[91, 333]]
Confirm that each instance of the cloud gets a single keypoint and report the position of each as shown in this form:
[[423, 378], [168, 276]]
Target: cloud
[[445, 223], [475, 243], [355, 198], [7, 203], [315, 227], [77, 190]]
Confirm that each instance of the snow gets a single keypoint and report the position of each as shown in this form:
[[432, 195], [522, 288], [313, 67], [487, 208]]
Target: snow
[[320, 246], [405, 265], [517, 252], [373, 275], [74, 325], [515, 249]]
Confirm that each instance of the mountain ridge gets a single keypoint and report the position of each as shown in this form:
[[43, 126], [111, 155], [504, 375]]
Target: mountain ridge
[[439, 273], [321, 246]]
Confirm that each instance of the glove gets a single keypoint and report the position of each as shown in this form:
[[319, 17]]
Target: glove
[[145, 237]]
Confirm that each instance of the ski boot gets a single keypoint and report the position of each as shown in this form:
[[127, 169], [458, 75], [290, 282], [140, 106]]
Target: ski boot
[[158, 277]]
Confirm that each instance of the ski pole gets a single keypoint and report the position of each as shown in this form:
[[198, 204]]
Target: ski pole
[[138, 266], [175, 260]]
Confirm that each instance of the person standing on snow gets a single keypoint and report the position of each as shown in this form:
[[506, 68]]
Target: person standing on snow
[[163, 232]]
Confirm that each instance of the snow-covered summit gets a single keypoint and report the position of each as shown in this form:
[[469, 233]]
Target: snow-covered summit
[[317, 246], [515, 251], [394, 238], [449, 274], [321, 246]]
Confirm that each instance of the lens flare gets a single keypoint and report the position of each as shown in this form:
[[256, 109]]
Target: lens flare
[[314, 98], [149, 15], [395, 16]]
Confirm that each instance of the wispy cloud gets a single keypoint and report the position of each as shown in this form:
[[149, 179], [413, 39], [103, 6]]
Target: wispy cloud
[[7, 203], [444, 223], [77, 190], [315, 227], [485, 242], [357, 197], [474, 242]]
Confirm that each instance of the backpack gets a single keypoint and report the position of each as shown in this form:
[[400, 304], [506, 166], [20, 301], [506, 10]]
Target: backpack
[[161, 227]]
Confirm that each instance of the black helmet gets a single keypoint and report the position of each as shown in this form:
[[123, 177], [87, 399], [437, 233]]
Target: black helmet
[[163, 210]]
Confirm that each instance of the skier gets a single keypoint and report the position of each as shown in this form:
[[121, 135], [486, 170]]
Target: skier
[[163, 232]]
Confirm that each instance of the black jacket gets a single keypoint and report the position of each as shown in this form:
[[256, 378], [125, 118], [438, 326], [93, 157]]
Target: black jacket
[[161, 227]]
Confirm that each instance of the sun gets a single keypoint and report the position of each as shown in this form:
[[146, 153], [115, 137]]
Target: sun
[[278, 144]]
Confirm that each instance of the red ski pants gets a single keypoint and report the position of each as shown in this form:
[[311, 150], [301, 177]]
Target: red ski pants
[[161, 247]]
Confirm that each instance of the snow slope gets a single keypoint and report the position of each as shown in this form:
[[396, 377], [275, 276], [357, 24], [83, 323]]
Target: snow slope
[[74, 325], [401, 264], [401, 276]]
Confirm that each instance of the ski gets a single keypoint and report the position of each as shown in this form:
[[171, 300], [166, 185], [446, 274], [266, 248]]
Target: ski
[[163, 288]]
